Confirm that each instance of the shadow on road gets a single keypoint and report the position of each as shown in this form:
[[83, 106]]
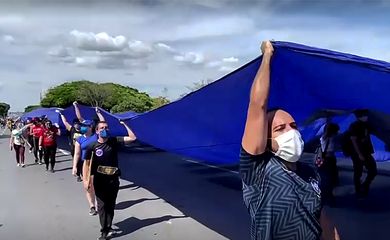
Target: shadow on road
[[126, 204], [64, 169], [132, 224], [210, 196], [129, 186], [376, 202], [60, 161]]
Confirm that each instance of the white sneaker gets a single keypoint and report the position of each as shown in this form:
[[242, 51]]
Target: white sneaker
[[111, 233], [18, 164], [23, 165]]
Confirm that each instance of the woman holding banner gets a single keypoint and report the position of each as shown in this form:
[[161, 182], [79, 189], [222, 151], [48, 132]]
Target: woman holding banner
[[281, 194]]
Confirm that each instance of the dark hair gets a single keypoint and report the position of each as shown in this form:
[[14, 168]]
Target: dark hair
[[271, 114], [97, 124], [331, 129], [76, 121], [361, 112]]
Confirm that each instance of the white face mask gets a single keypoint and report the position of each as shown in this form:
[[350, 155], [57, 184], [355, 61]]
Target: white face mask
[[290, 146]]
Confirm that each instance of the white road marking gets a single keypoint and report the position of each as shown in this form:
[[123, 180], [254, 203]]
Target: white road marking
[[64, 151], [212, 166]]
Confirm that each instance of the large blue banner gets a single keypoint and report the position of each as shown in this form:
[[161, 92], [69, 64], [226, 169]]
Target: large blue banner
[[208, 124]]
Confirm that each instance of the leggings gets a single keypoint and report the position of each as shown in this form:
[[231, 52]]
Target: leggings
[[358, 165], [80, 168], [31, 141], [49, 152], [37, 152], [19, 151]]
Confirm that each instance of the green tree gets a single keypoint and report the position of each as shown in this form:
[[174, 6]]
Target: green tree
[[94, 94], [31, 107], [135, 104], [64, 95], [159, 102], [4, 107], [110, 96]]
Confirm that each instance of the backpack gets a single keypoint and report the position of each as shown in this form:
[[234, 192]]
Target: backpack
[[346, 144]]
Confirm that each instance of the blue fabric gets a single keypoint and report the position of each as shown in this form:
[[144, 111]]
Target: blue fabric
[[126, 115], [50, 112], [116, 129], [379, 124], [84, 142], [208, 124]]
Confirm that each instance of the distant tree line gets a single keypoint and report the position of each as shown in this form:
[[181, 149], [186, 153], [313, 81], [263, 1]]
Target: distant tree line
[[109, 96]]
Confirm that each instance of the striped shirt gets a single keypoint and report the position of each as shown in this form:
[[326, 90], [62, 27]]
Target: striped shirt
[[283, 205]]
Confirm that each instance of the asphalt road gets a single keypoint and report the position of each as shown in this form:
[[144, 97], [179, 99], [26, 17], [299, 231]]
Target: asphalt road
[[162, 196]]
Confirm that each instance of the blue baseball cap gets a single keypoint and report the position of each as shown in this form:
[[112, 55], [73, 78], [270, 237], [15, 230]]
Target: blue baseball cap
[[88, 123]]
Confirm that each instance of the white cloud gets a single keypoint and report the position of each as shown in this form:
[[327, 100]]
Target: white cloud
[[190, 57], [98, 42], [139, 47], [8, 39], [234, 30], [224, 65], [86, 61], [226, 69], [213, 64], [60, 51], [165, 47], [108, 52], [230, 60], [99, 62], [214, 27]]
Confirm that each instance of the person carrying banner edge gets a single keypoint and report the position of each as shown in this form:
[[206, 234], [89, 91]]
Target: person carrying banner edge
[[102, 170]]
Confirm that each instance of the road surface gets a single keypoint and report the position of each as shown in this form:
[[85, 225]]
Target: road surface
[[162, 196]]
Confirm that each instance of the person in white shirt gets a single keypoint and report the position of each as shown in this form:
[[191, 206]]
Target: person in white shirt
[[17, 142], [328, 167]]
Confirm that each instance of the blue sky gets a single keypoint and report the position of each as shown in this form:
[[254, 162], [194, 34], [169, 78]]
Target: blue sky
[[153, 44]]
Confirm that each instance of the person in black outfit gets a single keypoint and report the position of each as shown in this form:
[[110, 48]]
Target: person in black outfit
[[75, 132], [361, 154], [101, 169]]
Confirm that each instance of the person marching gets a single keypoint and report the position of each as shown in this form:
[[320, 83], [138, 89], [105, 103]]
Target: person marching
[[101, 169], [36, 131], [74, 130], [17, 142], [281, 194], [82, 142], [30, 139], [48, 141]]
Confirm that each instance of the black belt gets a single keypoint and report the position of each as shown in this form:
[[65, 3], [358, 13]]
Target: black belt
[[107, 170]]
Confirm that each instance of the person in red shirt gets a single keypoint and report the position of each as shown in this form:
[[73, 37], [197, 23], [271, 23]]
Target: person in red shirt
[[48, 141], [36, 131]]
